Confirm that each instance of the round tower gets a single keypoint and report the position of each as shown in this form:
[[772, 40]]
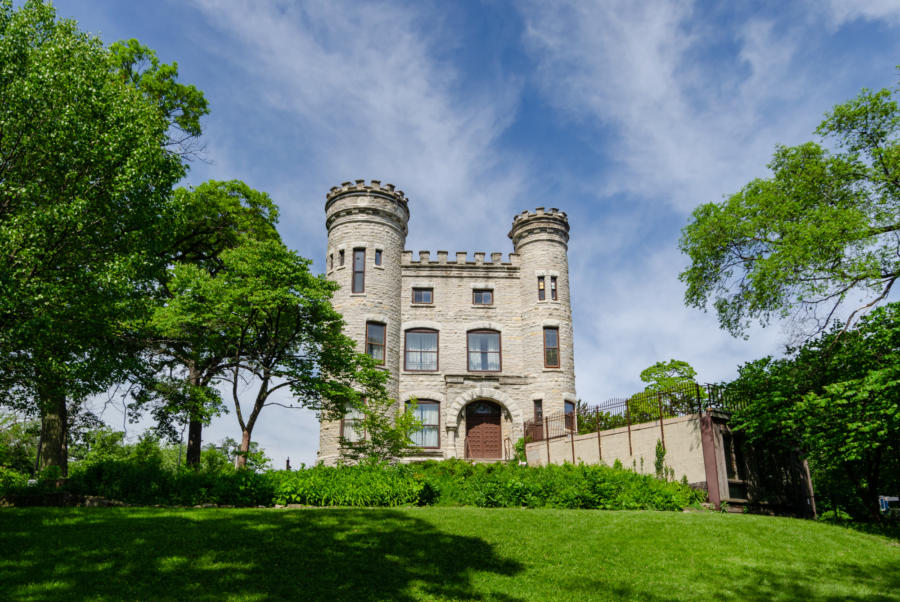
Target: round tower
[[540, 238], [367, 226]]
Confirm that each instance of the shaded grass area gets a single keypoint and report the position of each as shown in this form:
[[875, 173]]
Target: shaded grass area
[[434, 553]]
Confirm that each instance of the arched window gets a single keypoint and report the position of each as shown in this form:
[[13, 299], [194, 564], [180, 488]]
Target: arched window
[[421, 350], [484, 351]]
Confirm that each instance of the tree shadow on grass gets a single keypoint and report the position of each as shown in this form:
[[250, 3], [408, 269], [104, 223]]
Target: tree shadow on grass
[[334, 554]]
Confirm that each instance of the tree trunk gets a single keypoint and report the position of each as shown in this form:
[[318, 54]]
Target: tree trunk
[[241, 460], [54, 449], [195, 435]]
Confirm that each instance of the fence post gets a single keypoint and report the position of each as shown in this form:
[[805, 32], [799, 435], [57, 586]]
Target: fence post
[[597, 426], [662, 432], [699, 402], [547, 437], [572, 439], [628, 423]]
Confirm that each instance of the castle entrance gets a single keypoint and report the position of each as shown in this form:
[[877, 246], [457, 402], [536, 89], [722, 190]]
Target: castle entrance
[[483, 434]]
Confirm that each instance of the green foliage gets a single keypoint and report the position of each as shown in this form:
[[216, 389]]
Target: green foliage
[[663, 376], [385, 431], [837, 398], [85, 185], [11, 479], [18, 442], [367, 484], [659, 464], [821, 228]]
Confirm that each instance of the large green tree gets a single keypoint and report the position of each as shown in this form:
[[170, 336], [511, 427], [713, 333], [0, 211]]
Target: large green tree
[[86, 173], [822, 231], [837, 399], [187, 356]]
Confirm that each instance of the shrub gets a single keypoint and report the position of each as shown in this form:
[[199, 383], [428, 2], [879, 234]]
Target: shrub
[[360, 485], [11, 479]]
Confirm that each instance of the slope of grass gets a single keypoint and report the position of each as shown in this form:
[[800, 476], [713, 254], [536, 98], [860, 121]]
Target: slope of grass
[[434, 553]]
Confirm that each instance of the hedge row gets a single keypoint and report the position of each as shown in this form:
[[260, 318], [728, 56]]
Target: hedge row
[[449, 482]]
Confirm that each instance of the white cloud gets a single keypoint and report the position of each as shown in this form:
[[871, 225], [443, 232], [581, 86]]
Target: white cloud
[[845, 11]]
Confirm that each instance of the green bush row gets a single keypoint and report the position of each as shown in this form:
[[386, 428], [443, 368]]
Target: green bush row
[[449, 482]]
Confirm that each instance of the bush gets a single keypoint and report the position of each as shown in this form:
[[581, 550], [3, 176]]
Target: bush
[[361, 485], [11, 479]]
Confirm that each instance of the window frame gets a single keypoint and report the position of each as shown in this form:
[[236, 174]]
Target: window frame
[[378, 256], [354, 272], [341, 258], [437, 426], [476, 291], [570, 417], [542, 288], [437, 352], [538, 409], [383, 344], [499, 349], [344, 421], [554, 296], [547, 348], [416, 289]]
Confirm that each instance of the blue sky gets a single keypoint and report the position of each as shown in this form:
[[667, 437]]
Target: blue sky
[[626, 115]]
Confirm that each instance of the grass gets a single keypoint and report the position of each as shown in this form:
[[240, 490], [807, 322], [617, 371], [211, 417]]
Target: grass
[[434, 553]]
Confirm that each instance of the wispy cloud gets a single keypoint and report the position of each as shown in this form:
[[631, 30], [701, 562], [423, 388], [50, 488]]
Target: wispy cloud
[[844, 11], [368, 88]]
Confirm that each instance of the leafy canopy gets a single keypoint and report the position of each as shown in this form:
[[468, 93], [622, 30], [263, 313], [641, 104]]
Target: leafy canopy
[[823, 230]]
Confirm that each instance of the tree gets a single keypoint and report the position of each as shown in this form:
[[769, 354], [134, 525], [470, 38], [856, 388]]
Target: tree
[[85, 182], [187, 356], [817, 233], [663, 376], [837, 399], [384, 431]]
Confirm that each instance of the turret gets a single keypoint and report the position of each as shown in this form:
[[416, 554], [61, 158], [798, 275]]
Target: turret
[[540, 238], [367, 226]]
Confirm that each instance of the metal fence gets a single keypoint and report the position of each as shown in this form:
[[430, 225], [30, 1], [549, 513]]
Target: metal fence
[[646, 406]]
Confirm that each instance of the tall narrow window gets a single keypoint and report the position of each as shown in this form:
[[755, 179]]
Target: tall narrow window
[[421, 350], [341, 258], [429, 413], [351, 427], [570, 415], [551, 347], [482, 297], [331, 261], [377, 256], [542, 293], [359, 270], [538, 410], [375, 341], [484, 351], [553, 287], [423, 295]]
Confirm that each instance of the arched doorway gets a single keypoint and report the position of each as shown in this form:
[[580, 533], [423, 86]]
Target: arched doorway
[[483, 433]]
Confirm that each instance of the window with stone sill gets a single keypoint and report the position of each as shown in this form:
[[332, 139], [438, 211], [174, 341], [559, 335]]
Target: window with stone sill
[[551, 347], [421, 350], [429, 414], [375, 341], [482, 297], [483, 350], [542, 292], [351, 426], [422, 296], [359, 271]]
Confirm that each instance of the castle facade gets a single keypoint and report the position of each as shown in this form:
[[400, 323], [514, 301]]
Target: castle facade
[[482, 344]]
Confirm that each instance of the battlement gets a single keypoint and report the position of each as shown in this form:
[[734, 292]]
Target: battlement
[[360, 187], [460, 259], [540, 212]]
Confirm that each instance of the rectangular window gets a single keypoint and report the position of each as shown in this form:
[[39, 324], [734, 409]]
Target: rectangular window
[[351, 427], [421, 350], [542, 293], [375, 341], [359, 270], [551, 347], [377, 256], [553, 287], [429, 413], [484, 351], [341, 258], [423, 295], [483, 297], [570, 415], [331, 261], [538, 410]]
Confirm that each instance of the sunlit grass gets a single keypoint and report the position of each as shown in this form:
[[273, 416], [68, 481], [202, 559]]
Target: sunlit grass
[[434, 553]]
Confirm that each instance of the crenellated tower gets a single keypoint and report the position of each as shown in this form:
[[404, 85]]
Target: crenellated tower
[[367, 226], [540, 238]]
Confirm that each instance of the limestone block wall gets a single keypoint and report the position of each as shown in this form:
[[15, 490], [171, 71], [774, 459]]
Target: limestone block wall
[[684, 448]]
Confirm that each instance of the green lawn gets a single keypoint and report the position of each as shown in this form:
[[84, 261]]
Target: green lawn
[[434, 553]]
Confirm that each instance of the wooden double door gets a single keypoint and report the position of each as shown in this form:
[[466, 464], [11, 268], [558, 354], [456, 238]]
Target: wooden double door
[[483, 432]]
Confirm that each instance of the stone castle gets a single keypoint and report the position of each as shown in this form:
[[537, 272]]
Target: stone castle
[[482, 345]]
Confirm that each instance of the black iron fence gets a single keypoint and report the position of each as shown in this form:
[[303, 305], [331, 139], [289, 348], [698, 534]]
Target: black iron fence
[[646, 406]]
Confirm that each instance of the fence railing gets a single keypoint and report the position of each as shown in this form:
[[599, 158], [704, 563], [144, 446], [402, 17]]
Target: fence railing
[[646, 406]]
